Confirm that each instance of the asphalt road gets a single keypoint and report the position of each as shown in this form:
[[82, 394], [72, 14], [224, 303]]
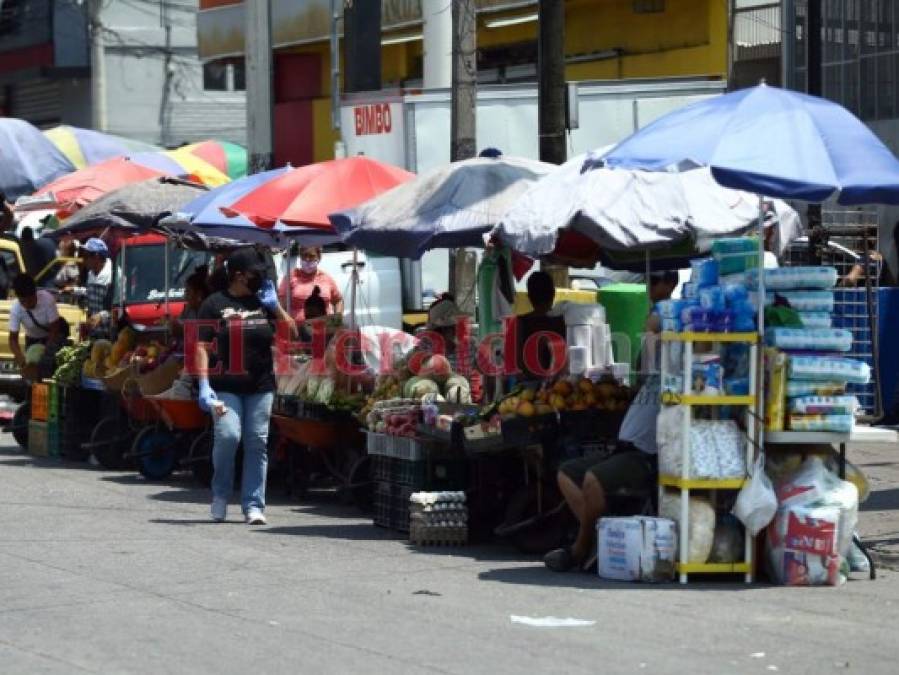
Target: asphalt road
[[104, 572]]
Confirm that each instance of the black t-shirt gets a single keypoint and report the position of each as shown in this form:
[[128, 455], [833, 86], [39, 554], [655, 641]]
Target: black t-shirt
[[251, 369]]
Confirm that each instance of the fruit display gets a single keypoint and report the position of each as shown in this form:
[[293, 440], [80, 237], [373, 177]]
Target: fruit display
[[97, 364], [396, 417], [440, 386], [566, 395]]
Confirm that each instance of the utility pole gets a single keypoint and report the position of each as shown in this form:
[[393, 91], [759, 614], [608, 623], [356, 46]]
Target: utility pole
[[463, 129], [98, 66], [260, 71], [465, 80], [165, 112], [813, 86], [552, 93]]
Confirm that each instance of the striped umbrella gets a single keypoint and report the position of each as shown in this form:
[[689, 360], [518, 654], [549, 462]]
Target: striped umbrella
[[86, 147], [229, 158]]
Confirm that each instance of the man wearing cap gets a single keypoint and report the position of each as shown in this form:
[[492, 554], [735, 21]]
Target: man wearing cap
[[99, 284]]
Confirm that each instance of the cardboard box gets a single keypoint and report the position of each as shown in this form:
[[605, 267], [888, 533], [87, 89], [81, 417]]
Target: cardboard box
[[638, 548]]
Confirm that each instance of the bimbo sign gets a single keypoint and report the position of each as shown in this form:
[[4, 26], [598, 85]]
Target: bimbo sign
[[374, 129], [374, 118]]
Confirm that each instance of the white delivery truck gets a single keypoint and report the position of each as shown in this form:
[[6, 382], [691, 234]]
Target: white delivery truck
[[411, 129]]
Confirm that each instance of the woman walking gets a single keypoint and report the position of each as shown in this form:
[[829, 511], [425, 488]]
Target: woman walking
[[237, 383]]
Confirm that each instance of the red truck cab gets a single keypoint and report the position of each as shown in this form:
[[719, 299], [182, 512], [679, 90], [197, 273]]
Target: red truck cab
[[139, 279]]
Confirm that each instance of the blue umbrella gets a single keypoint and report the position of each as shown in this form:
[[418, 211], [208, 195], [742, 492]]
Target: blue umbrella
[[203, 216], [770, 141], [28, 161]]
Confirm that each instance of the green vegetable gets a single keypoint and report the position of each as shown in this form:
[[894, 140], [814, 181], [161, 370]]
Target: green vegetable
[[69, 362]]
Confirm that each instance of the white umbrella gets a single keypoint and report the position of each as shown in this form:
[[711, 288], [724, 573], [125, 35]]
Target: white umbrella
[[623, 210], [450, 206]]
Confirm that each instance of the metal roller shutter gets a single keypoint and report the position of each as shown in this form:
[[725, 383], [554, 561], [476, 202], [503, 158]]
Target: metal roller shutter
[[39, 102]]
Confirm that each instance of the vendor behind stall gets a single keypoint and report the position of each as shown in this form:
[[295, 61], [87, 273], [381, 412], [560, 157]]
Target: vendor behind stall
[[99, 285], [304, 280], [541, 293], [589, 482], [444, 316]]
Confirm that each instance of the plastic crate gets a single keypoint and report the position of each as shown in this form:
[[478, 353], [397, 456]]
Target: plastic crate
[[43, 438], [400, 447], [286, 405], [40, 401], [527, 430], [439, 473], [57, 396], [590, 425], [392, 506]]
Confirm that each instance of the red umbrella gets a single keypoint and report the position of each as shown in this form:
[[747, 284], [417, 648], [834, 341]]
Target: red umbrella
[[84, 186], [305, 196]]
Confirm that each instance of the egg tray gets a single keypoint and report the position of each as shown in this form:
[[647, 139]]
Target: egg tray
[[423, 535]]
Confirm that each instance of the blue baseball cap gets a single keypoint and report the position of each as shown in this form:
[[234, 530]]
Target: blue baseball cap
[[96, 245]]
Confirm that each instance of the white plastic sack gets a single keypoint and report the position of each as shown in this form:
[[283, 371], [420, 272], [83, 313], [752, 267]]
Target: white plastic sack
[[702, 524], [757, 503]]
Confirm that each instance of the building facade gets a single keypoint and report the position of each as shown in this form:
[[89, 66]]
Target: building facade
[[156, 89], [604, 40]]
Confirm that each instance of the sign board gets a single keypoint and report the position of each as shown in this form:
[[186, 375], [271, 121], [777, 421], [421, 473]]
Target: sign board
[[376, 129]]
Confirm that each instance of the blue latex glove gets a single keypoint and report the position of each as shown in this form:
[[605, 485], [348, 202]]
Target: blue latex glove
[[268, 296], [207, 396]]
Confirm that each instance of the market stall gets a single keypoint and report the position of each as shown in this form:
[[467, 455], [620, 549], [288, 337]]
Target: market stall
[[799, 387]]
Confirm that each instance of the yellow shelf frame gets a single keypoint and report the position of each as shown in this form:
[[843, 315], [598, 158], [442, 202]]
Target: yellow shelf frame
[[674, 398], [683, 486], [701, 483], [749, 338], [714, 568]]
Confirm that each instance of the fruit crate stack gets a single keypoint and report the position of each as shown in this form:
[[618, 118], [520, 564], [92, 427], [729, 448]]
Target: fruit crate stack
[[438, 518], [43, 427]]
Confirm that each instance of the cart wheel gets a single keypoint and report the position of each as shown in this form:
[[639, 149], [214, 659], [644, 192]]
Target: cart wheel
[[113, 439], [200, 457], [19, 424], [360, 485], [156, 450]]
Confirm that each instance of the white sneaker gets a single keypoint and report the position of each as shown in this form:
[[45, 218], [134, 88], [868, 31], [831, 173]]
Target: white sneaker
[[219, 509], [256, 517]]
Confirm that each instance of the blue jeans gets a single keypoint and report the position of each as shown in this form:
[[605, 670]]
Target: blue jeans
[[247, 420]]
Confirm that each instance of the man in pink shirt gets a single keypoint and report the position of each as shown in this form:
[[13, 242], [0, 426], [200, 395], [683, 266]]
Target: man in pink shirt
[[303, 281]]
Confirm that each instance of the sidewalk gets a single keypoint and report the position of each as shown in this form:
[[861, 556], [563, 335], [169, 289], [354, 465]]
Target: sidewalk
[[879, 515]]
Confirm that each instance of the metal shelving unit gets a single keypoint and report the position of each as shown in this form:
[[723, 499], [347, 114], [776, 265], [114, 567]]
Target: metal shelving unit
[[685, 483]]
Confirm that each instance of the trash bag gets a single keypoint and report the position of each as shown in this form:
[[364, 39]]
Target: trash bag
[[757, 502], [728, 544]]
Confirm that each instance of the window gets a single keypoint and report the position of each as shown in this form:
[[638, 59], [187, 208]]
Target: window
[[144, 276], [225, 75], [10, 16]]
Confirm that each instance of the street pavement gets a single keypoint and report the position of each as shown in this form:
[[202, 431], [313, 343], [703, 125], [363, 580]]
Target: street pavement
[[106, 573]]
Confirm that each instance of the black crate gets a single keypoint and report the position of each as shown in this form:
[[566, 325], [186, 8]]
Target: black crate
[[392, 506], [527, 430], [590, 425], [286, 405], [430, 473]]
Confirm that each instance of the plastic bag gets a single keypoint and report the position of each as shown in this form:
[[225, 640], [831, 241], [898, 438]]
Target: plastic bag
[[702, 524], [728, 544], [757, 502]]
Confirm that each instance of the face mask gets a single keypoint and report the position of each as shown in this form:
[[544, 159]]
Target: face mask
[[254, 283], [309, 266]]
